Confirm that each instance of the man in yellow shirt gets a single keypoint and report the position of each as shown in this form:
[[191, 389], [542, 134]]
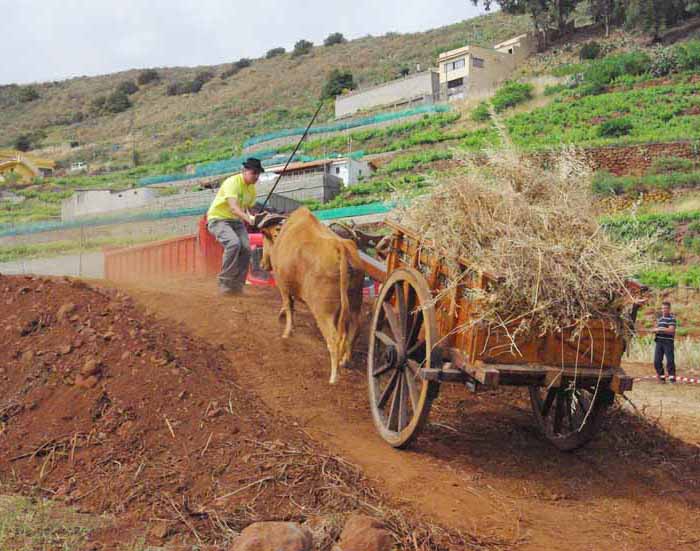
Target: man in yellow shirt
[[225, 221]]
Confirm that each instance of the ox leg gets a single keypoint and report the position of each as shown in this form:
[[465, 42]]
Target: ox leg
[[353, 328], [327, 326], [287, 306]]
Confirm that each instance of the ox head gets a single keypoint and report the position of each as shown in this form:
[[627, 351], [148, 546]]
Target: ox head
[[270, 225]]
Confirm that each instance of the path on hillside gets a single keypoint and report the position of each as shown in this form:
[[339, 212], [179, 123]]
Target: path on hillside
[[480, 466]]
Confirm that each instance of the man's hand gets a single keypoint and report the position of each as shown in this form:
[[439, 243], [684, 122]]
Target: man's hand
[[251, 219]]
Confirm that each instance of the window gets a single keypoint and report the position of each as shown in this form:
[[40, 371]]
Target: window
[[454, 65], [337, 170], [510, 50], [477, 62], [456, 83]]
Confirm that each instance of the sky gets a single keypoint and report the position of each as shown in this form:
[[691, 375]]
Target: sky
[[44, 40]]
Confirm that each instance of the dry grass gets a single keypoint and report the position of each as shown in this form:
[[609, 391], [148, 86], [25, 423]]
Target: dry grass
[[687, 353], [535, 229]]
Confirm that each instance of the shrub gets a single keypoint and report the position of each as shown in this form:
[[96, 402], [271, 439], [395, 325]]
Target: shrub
[[184, 87], [274, 52], [671, 164], [204, 77], [664, 61], [511, 94], [602, 72], [27, 94], [481, 112], [553, 89], [336, 82], [605, 183], [128, 87], [117, 102], [334, 38], [147, 76], [615, 128], [23, 143], [590, 50], [302, 47], [688, 55], [236, 66]]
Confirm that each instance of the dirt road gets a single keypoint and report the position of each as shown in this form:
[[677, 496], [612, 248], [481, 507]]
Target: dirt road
[[481, 466]]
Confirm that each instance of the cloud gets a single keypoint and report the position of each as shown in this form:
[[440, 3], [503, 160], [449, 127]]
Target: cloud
[[52, 39]]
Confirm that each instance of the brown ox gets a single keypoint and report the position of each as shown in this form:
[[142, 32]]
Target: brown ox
[[313, 264]]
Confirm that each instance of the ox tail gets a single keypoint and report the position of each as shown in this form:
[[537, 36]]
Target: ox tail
[[344, 285]]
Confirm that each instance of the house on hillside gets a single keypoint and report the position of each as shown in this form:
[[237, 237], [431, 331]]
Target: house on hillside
[[473, 70], [24, 167], [349, 170], [86, 202], [417, 89], [470, 70]]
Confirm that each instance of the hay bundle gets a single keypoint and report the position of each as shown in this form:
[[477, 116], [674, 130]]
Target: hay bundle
[[536, 229]]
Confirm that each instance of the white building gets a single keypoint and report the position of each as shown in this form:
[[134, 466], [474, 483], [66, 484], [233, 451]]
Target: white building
[[349, 170], [97, 201]]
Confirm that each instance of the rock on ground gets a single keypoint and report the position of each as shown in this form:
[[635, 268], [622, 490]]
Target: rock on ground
[[273, 536], [364, 533]]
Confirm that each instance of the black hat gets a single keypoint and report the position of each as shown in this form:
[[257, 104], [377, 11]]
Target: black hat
[[253, 164]]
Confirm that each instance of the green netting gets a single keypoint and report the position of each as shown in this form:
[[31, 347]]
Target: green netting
[[268, 158], [38, 227], [345, 125]]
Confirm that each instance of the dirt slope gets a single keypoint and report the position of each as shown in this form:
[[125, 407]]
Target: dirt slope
[[164, 437], [481, 466]]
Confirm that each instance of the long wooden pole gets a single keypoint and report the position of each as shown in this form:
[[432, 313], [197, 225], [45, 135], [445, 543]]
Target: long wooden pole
[[303, 136]]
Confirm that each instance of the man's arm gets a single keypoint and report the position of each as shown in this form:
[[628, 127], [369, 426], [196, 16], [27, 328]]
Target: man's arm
[[238, 211]]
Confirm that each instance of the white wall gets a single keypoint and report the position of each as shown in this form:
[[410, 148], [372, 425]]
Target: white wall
[[350, 170], [90, 202]]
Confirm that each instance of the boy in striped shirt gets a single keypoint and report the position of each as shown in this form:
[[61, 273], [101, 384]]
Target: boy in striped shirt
[[665, 332]]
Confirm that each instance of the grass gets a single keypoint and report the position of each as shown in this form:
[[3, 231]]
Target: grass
[[28, 524], [605, 183], [661, 113], [670, 277], [687, 352], [55, 248]]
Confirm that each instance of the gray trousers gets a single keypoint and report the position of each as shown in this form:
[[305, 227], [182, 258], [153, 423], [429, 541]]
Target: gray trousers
[[234, 238]]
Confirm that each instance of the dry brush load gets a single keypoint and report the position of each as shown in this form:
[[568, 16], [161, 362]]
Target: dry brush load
[[534, 228]]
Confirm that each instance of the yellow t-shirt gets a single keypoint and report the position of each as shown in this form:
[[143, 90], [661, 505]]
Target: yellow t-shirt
[[236, 188]]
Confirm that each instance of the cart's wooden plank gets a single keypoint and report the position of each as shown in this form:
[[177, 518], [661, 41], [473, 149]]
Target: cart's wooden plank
[[376, 269]]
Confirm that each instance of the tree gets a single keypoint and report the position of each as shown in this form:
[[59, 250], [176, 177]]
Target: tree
[[117, 102], [545, 13], [147, 75], [274, 52], [404, 71], [337, 82], [334, 38], [603, 11], [655, 15], [128, 87], [302, 47]]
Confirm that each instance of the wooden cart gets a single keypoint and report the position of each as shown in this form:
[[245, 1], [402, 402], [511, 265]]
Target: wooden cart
[[417, 343]]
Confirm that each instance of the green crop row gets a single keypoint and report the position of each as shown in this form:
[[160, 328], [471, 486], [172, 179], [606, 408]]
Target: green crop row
[[606, 183]]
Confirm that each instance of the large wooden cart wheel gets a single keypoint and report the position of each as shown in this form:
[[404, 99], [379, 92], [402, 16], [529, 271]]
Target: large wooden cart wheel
[[402, 341], [569, 417]]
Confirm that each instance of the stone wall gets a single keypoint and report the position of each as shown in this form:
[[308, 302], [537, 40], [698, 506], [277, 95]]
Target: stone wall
[[635, 160]]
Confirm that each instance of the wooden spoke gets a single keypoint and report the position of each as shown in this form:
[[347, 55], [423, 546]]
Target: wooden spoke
[[394, 324], [413, 391], [417, 347], [547, 405], [395, 409], [386, 339], [401, 306], [382, 369], [569, 413], [413, 366], [386, 393], [403, 402]]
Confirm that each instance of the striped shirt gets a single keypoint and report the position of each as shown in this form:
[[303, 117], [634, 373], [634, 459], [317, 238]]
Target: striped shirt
[[663, 322]]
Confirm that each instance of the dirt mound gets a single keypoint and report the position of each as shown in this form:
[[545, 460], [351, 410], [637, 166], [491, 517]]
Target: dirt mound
[[109, 409]]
